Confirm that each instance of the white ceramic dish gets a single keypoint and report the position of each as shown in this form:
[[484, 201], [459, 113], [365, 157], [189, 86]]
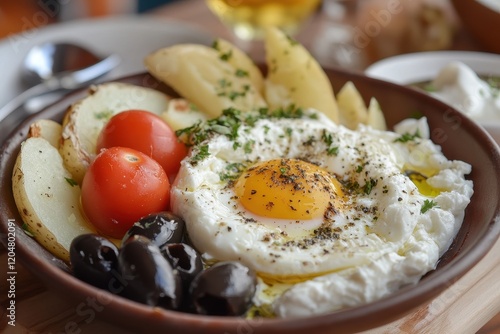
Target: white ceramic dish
[[423, 66]]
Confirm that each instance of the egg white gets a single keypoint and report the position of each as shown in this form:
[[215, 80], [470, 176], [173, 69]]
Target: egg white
[[221, 228]]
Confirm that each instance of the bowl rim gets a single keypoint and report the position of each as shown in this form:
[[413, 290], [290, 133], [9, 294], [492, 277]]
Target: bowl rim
[[421, 66], [424, 291]]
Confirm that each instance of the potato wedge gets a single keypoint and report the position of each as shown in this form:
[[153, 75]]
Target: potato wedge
[[47, 129], [199, 75], [85, 119], [182, 114], [241, 61], [47, 198], [376, 117], [295, 77], [352, 108]]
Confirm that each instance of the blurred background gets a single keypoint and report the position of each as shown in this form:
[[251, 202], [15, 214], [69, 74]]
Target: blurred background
[[20, 15], [348, 25]]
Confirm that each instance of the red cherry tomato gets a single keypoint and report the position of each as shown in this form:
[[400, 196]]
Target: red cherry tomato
[[145, 132], [121, 186]]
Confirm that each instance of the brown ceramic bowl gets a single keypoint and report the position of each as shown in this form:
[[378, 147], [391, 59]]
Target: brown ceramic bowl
[[481, 21], [460, 139]]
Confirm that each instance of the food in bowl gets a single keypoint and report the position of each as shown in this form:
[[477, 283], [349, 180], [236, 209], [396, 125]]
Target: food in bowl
[[459, 86], [327, 217], [422, 68], [304, 157]]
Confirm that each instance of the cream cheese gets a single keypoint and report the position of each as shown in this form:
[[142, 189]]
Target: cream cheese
[[458, 85], [386, 236]]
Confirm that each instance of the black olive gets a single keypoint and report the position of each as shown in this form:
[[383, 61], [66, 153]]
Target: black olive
[[161, 228], [185, 259], [147, 275], [226, 288], [93, 259]]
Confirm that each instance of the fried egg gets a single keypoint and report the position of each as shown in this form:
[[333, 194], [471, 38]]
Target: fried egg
[[299, 197]]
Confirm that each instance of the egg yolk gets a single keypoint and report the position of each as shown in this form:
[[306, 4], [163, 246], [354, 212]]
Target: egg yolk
[[288, 189]]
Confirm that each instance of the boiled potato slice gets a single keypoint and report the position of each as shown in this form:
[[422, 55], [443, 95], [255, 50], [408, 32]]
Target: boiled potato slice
[[376, 117], [295, 77], [199, 75], [47, 129], [85, 119], [241, 62], [182, 114], [352, 108], [47, 198]]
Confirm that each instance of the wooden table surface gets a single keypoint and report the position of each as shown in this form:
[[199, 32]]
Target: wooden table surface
[[471, 305]]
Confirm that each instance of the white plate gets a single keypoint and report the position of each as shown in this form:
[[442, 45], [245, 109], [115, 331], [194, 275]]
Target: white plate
[[423, 66], [131, 37]]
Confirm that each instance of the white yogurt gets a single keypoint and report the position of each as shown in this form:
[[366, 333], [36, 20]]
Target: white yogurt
[[459, 86]]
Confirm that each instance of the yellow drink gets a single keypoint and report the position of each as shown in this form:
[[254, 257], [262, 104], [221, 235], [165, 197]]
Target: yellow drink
[[248, 18]]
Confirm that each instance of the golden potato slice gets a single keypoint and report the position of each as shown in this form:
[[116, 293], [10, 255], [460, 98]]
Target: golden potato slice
[[295, 77], [352, 108], [85, 119], [48, 130], [47, 198], [241, 61], [182, 114], [376, 117], [199, 74]]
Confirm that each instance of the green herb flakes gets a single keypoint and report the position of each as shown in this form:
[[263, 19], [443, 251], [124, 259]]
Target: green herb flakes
[[407, 137], [241, 73], [428, 204], [27, 230], [103, 115], [71, 181], [202, 154]]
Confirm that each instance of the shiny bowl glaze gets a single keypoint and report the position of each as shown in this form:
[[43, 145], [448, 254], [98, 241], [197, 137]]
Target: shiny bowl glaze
[[459, 137], [480, 20]]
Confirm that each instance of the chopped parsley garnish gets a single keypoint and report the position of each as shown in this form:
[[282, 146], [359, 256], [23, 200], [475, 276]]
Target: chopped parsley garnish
[[215, 44], [105, 114], [407, 137], [229, 125], [222, 55], [233, 171], [428, 204], [248, 147], [369, 186], [223, 83], [230, 121], [493, 82], [27, 230], [234, 94], [71, 181], [332, 151], [241, 73], [328, 140], [352, 186], [202, 154], [359, 169]]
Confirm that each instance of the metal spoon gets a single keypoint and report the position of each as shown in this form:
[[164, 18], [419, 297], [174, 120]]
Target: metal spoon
[[53, 67]]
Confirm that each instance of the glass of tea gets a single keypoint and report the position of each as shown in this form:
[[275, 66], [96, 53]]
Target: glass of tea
[[249, 18]]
